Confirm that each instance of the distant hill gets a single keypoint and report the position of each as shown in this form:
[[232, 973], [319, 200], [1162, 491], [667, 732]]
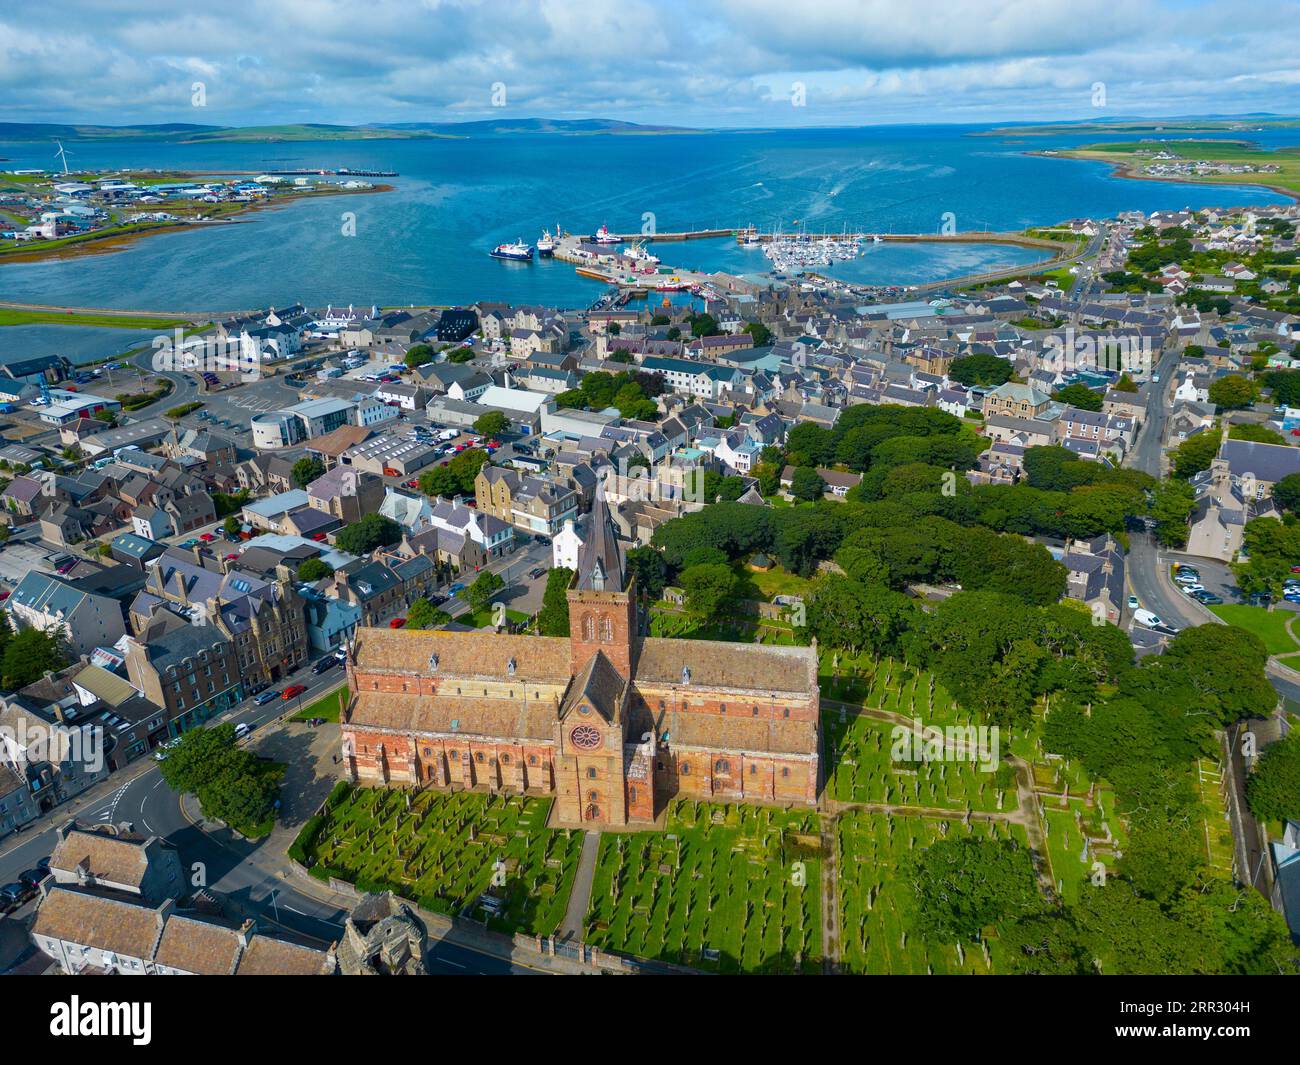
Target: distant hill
[[186, 133]]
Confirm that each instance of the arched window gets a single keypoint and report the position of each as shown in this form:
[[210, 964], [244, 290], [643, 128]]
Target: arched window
[[631, 795], [686, 769], [591, 774], [479, 757], [593, 812], [720, 766], [593, 795], [588, 628], [532, 759], [606, 629]]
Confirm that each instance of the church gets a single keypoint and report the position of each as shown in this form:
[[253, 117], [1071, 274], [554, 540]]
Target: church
[[612, 723]]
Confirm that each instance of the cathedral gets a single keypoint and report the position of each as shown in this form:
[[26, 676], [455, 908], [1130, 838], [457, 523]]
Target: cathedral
[[612, 723]]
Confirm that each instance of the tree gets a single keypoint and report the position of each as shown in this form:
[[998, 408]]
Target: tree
[[964, 885], [553, 620], [806, 484], [422, 614], [306, 470], [491, 424], [1195, 454], [485, 586], [419, 355], [1079, 395], [1124, 384], [759, 333], [314, 569], [709, 589], [29, 654], [229, 782], [1232, 391], [1273, 787], [1172, 503], [650, 570], [988, 370], [1258, 433], [231, 525], [1286, 493], [372, 531]]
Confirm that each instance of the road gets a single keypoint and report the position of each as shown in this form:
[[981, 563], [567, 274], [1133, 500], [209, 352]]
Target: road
[[235, 869]]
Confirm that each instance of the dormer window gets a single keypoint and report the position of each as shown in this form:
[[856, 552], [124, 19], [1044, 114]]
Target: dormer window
[[686, 674]]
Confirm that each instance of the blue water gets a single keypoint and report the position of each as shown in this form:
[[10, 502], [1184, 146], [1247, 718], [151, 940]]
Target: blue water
[[427, 241]]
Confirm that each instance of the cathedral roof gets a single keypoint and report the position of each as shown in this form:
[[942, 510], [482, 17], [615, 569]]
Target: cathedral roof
[[737, 666], [599, 686], [537, 659]]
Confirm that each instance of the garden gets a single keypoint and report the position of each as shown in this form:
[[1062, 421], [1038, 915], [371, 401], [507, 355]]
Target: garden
[[725, 888], [446, 852]]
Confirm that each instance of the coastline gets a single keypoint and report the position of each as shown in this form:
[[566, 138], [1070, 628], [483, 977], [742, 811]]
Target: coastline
[[106, 242], [1123, 169]]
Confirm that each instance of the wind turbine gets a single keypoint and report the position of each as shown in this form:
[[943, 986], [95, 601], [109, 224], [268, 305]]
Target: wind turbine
[[63, 155]]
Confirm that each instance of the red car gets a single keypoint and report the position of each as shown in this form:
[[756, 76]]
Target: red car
[[293, 691], [4, 595], [318, 537], [207, 538], [397, 623], [232, 556], [412, 484]]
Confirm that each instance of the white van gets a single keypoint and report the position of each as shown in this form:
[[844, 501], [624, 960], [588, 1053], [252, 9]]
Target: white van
[[1145, 617]]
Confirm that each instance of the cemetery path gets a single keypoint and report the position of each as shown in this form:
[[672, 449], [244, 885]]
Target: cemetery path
[[580, 897], [1027, 815]]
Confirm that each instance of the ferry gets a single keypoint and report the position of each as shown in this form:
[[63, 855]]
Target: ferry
[[546, 244], [518, 251], [638, 253], [604, 236]]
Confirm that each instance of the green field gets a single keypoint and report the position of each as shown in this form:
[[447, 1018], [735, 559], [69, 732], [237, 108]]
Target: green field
[[113, 321], [1268, 625], [328, 706], [725, 888], [446, 850]]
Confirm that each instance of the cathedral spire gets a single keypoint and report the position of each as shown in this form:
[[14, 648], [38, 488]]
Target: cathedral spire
[[600, 558]]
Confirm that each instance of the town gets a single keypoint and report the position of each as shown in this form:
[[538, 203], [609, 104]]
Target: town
[[507, 635]]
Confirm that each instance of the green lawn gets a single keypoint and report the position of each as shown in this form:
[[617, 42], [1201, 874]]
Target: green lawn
[[727, 888], [778, 581], [445, 850], [1268, 625], [328, 706], [11, 317]]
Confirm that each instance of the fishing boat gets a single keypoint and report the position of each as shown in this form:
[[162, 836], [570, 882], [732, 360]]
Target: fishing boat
[[604, 236], [637, 251], [546, 243], [518, 251]]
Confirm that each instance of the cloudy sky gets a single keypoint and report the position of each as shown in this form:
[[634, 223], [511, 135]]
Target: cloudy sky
[[685, 62]]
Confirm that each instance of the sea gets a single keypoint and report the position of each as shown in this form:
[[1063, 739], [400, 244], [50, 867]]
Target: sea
[[427, 242]]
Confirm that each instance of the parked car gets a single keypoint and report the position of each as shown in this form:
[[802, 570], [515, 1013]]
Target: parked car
[[1207, 598], [293, 691], [32, 877], [1133, 603], [328, 662], [191, 543], [1189, 588], [207, 538], [14, 895], [397, 623], [536, 572], [266, 697], [242, 730], [456, 588], [1145, 617]]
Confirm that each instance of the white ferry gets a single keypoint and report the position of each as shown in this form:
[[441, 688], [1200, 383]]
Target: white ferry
[[518, 251]]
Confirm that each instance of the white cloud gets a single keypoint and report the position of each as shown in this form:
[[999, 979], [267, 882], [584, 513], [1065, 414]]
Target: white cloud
[[673, 61]]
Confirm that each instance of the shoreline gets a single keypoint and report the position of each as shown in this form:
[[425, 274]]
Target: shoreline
[[1123, 169], [106, 243]]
